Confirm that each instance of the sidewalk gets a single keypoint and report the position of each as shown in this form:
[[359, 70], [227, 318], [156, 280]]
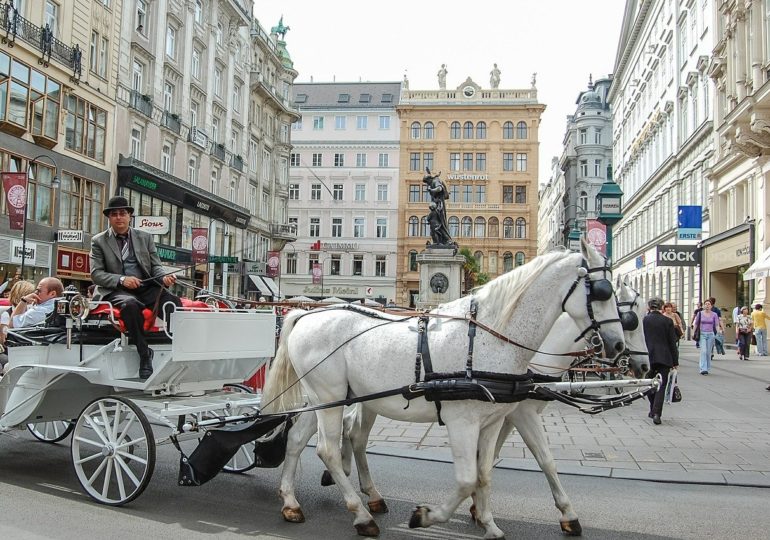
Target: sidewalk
[[718, 434]]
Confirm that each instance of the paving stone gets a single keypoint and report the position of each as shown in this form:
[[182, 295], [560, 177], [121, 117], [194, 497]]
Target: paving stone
[[662, 467], [612, 464], [707, 467]]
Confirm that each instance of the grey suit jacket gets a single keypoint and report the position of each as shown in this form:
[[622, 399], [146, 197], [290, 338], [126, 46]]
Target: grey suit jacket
[[107, 264]]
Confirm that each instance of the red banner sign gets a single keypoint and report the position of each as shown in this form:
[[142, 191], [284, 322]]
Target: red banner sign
[[200, 245], [15, 187], [597, 235], [273, 263], [72, 262], [318, 272]]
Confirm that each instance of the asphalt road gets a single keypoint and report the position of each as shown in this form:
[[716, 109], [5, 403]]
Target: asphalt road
[[41, 498]]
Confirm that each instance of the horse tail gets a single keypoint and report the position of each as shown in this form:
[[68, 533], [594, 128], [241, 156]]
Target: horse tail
[[282, 390]]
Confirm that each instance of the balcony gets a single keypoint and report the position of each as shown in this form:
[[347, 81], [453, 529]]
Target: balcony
[[218, 151], [263, 86], [41, 38], [241, 9], [283, 231], [171, 121], [236, 162], [141, 102]]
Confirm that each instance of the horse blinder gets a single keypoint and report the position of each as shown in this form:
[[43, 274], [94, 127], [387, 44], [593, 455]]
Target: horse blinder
[[601, 290], [629, 320]]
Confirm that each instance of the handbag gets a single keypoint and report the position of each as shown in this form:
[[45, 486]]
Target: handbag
[[753, 339], [696, 332], [673, 393], [676, 395]]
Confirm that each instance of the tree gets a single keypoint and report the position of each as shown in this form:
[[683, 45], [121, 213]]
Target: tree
[[471, 271]]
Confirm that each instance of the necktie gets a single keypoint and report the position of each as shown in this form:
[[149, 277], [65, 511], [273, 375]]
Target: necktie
[[123, 243]]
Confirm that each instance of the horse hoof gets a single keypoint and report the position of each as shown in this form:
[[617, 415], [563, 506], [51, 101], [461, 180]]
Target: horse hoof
[[418, 517], [368, 529], [572, 528], [293, 515], [378, 507], [326, 479], [474, 517]]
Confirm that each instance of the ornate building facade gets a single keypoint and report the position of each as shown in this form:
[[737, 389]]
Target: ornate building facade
[[485, 142]]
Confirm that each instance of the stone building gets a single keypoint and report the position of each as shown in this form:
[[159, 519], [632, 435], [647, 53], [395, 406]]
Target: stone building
[[549, 210], [485, 143]]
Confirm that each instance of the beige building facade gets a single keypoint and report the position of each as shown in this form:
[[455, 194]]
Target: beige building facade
[[485, 143]]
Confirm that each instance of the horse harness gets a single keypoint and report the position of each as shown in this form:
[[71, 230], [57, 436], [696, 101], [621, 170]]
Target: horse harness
[[629, 320]]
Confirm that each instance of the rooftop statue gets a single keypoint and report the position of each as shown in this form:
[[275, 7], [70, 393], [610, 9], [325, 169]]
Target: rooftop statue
[[494, 77], [280, 29]]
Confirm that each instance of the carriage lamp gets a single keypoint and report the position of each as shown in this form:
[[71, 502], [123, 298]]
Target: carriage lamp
[[608, 203]]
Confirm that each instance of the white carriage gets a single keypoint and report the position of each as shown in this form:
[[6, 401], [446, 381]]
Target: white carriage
[[79, 375]]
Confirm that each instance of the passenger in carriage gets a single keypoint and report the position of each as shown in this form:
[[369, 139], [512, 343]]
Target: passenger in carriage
[[33, 308], [128, 273]]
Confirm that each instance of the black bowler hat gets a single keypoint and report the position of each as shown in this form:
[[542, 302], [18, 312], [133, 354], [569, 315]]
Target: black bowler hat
[[117, 203]]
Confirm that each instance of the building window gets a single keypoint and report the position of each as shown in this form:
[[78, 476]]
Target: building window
[[198, 14], [584, 168], [359, 227], [519, 258], [336, 227], [508, 161], [507, 262], [214, 186], [81, 203], [361, 122], [379, 266], [454, 130], [218, 81], [219, 34], [383, 160], [479, 227], [339, 122], [318, 122], [481, 130], [360, 160], [384, 122], [428, 130], [414, 161], [468, 130], [51, 16], [337, 192], [236, 97], [583, 201], [85, 127], [317, 160], [521, 130], [293, 192], [165, 158], [315, 227], [427, 160], [467, 161], [29, 100], [141, 16], [582, 136], [598, 136], [508, 130], [454, 227], [315, 192], [168, 95], [521, 162], [508, 228], [192, 171], [508, 194], [358, 265], [414, 192], [454, 194], [454, 161], [521, 194], [382, 227], [291, 263], [493, 230], [481, 161], [137, 143], [521, 228], [413, 260], [171, 42], [481, 194], [425, 226], [414, 226], [312, 260], [196, 64], [360, 192], [294, 160], [415, 130], [339, 160], [598, 168], [466, 229]]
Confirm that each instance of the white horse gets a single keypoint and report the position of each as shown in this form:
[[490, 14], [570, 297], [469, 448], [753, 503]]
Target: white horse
[[526, 417], [337, 353]]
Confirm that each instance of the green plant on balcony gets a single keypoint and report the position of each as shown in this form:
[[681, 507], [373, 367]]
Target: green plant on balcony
[[147, 98], [175, 117]]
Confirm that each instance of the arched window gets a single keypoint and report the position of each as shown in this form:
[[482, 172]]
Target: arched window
[[416, 130], [467, 229], [583, 201], [479, 256], [425, 226], [428, 130], [507, 261], [480, 227], [508, 130], [508, 228], [521, 130], [454, 130], [414, 226], [481, 130], [413, 261], [519, 258], [521, 228], [468, 130], [494, 228], [454, 227]]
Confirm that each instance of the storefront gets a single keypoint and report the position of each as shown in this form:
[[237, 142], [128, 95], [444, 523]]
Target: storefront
[[37, 261], [726, 256]]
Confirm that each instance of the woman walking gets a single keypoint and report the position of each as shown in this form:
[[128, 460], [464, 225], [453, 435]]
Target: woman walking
[[668, 311], [707, 324], [745, 328]]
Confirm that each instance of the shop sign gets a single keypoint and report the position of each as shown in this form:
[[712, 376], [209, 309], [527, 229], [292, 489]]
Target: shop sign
[[339, 246], [152, 224], [689, 223], [597, 235], [15, 188], [69, 261], [200, 245], [16, 250], [199, 138], [674, 255], [640, 262], [222, 259], [468, 177], [273, 263], [258, 268], [172, 255], [69, 236]]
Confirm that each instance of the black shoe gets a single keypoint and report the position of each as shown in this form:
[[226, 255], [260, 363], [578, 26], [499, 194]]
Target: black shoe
[[649, 415], [145, 365], [656, 419], [768, 388]]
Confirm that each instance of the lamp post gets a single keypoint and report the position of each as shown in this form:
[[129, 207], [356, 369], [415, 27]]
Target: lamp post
[[608, 204], [211, 268], [575, 233], [54, 187], [573, 239]]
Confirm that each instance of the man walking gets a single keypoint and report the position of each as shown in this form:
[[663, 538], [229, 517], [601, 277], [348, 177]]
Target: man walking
[[660, 336], [758, 316], [127, 272]]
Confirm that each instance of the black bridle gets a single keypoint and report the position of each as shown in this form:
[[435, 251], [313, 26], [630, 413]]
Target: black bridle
[[629, 320], [597, 290]]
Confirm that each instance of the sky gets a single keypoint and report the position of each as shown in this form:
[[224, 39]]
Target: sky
[[562, 40]]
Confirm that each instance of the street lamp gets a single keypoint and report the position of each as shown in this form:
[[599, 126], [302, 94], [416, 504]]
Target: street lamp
[[211, 268], [573, 239], [54, 187], [580, 213], [608, 204]]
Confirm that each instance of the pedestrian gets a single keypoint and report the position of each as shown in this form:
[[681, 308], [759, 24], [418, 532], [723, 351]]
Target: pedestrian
[[661, 339], [745, 329], [668, 311], [707, 324], [759, 317]]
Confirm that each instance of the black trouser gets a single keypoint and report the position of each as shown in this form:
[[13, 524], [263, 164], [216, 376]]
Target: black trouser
[[744, 344], [656, 399], [131, 304]]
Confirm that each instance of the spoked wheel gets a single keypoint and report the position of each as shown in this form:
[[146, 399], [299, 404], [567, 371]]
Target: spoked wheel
[[244, 459], [51, 432], [113, 450]]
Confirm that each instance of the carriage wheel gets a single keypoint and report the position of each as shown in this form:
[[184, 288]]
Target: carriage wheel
[[113, 450], [51, 432], [244, 459]]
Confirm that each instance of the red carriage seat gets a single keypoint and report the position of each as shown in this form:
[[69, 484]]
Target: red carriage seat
[[149, 317]]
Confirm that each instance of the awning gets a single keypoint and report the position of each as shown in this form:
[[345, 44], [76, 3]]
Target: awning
[[265, 285], [760, 268]]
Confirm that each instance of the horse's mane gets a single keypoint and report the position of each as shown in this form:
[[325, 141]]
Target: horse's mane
[[501, 295]]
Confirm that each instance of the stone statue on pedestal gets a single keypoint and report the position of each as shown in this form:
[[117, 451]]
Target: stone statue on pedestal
[[439, 228], [442, 77], [494, 77]]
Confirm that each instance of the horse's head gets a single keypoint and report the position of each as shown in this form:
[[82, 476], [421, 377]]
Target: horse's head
[[632, 311], [591, 303]]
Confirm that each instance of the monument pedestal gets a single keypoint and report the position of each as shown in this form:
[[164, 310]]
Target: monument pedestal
[[441, 276]]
